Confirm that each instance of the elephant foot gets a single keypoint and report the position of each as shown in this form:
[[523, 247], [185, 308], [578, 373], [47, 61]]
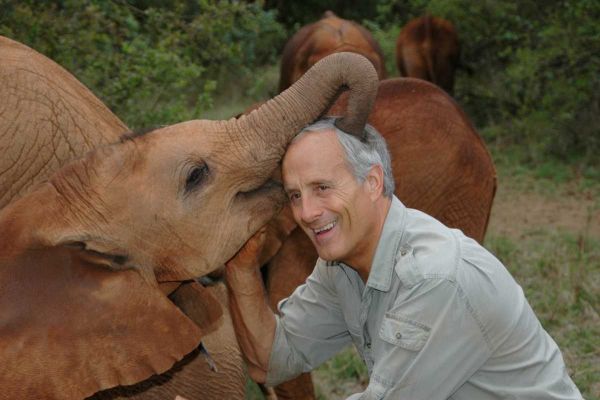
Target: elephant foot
[[268, 392], [299, 388]]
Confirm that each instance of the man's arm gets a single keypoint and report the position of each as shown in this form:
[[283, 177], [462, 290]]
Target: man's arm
[[311, 327], [252, 317]]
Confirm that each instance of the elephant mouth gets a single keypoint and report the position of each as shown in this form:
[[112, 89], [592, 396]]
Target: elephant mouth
[[270, 187], [260, 204]]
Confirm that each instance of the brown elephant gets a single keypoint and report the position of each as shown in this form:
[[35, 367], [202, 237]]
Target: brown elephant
[[50, 118], [329, 35], [428, 48], [441, 166], [88, 256]]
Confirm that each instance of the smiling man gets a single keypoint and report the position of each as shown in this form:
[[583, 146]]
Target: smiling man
[[431, 312]]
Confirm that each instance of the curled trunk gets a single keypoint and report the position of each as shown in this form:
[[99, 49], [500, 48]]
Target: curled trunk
[[270, 128]]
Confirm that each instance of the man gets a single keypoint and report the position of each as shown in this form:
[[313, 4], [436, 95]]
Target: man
[[431, 312]]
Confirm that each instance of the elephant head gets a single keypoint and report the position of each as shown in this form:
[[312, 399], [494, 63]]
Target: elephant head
[[86, 257]]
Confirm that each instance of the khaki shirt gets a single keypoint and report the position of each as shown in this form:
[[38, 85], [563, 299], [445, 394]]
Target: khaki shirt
[[439, 318]]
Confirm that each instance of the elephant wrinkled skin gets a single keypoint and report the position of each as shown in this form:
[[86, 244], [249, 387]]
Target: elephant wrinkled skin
[[87, 255], [47, 119]]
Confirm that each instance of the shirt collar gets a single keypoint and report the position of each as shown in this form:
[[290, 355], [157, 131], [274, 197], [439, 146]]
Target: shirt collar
[[382, 268]]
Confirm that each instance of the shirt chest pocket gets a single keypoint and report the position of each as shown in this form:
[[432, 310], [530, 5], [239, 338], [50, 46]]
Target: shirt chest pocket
[[403, 332]]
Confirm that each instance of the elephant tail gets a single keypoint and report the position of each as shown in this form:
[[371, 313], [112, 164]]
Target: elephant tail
[[428, 49]]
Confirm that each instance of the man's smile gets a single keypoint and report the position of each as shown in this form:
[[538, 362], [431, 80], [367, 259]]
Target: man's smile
[[325, 228]]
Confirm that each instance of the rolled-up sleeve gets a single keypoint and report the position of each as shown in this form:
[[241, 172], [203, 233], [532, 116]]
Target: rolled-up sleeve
[[310, 328]]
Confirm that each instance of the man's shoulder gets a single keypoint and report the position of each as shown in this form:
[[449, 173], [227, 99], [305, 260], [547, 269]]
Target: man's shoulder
[[428, 249]]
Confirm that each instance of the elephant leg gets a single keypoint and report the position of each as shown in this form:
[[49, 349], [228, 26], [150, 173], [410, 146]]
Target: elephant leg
[[268, 392], [299, 388], [286, 271]]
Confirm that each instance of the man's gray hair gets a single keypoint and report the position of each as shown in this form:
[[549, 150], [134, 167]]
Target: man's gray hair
[[360, 155]]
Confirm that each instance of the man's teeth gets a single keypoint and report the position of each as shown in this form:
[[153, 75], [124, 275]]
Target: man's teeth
[[325, 228]]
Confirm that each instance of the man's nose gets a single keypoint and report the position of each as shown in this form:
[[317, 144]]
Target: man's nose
[[311, 210]]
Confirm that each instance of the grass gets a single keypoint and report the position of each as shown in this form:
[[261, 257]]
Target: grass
[[560, 274], [546, 177], [340, 376]]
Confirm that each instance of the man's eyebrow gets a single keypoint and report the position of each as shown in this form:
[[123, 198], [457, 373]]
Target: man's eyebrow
[[287, 189], [314, 182], [321, 182]]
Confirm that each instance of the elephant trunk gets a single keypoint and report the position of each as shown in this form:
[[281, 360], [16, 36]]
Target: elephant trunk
[[268, 130]]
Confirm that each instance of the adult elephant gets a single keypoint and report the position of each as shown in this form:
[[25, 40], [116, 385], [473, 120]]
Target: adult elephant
[[428, 48], [88, 256], [329, 35], [441, 166]]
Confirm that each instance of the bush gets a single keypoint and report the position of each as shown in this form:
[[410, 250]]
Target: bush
[[152, 62], [535, 83]]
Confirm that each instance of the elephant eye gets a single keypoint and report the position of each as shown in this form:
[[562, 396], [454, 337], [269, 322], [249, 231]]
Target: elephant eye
[[196, 177]]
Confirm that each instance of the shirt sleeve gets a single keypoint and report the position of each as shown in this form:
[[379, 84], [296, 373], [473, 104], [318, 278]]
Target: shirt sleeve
[[430, 343], [310, 328]]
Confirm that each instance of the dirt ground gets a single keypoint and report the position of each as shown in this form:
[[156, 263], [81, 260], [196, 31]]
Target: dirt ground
[[517, 211]]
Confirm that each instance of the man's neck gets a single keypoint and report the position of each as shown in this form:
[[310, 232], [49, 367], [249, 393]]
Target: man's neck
[[363, 264]]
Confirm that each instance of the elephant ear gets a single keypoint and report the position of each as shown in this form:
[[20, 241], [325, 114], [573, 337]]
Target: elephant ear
[[70, 327]]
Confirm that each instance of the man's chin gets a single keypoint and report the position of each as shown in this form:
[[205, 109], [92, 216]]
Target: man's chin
[[326, 256]]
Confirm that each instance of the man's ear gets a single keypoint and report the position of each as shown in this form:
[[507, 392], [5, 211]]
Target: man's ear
[[374, 182]]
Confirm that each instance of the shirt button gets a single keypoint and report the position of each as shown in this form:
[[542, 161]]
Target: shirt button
[[403, 252], [398, 335], [368, 345]]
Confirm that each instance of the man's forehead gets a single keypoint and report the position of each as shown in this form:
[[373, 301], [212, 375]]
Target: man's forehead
[[318, 140], [314, 160]]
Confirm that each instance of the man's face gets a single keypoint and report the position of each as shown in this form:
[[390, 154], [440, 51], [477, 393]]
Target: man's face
[[327, 201]]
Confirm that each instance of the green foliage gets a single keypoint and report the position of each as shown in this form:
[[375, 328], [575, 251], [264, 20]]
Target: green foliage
[[294, 14], [347, 365], [151, 62], [386, 37], [535, 83], [253, 392]]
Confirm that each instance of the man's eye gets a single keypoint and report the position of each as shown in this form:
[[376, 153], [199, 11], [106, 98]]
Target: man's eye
[[322, 188], [294, 196]]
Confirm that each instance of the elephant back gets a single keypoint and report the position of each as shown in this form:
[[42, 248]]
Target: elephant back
[[441, 165]]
